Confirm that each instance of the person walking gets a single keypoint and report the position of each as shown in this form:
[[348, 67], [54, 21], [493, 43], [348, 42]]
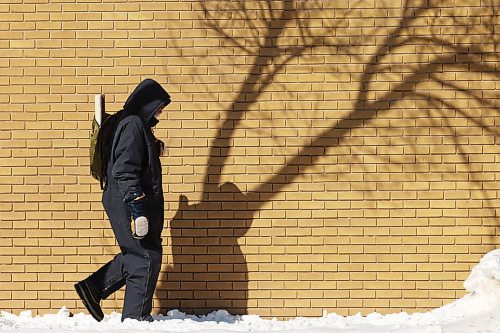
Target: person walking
[[133, 201]]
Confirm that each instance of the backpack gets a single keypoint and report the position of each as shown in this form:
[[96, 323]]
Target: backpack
[[101, 140]]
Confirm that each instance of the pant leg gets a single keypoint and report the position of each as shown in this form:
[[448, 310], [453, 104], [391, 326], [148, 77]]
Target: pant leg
[[110, 277], [140, 284], [139, 293], [139, 261]]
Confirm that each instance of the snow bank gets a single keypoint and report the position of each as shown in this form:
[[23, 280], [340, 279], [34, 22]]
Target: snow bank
[[484, 279], [483, 285], [478, 311]]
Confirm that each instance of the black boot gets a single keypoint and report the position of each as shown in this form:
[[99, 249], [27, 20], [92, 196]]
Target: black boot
[[90, 298]]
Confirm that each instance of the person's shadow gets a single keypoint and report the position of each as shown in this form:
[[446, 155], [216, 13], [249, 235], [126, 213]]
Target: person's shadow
[[209, 271]]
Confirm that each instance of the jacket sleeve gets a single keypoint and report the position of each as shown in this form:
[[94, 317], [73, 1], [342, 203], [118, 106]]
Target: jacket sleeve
[[129, 156]]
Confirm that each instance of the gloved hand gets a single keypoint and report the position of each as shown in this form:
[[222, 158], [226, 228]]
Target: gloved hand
[[139, 223]]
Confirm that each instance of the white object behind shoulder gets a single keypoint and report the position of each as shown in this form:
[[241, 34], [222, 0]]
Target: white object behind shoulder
[[99, 107]]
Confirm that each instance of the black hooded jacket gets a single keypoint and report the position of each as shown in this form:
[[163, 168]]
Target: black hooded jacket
[[134, 164]]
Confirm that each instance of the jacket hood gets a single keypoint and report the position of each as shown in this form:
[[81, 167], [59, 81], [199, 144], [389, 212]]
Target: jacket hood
[[146, 98]]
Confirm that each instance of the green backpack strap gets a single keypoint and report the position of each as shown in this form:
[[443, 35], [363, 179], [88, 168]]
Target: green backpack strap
[[95, 159]]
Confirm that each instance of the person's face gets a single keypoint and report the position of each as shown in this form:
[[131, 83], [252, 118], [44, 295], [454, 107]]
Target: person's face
[[159, 111]]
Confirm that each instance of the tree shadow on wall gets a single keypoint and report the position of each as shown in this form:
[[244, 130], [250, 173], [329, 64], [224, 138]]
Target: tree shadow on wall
[[209, 269]]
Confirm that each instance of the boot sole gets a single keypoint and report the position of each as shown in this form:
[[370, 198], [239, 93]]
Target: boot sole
[[83, 296]]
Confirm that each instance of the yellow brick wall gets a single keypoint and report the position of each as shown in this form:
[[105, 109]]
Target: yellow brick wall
[[338, 155]]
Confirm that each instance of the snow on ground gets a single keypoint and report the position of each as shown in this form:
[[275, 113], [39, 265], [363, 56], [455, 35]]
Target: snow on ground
[[478, 311]]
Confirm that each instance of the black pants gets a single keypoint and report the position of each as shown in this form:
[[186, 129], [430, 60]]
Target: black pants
[[138, 265]]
